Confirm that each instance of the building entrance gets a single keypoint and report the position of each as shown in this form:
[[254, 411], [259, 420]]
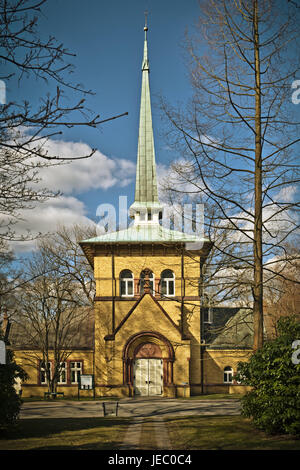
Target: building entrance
[[148, 377], [148, 359]]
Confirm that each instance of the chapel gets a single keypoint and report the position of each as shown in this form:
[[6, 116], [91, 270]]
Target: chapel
[[149, 333], [148, 290]]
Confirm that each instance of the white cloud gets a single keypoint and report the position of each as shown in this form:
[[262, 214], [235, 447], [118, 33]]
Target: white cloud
[[70, 178], [47, 216], [173, 182], [78, 176], [278, 218], [286, 194]]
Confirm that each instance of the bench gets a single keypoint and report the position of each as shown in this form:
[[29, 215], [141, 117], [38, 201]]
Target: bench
[[53, 394]]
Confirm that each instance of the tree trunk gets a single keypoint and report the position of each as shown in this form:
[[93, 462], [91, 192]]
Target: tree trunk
[[257, 243]]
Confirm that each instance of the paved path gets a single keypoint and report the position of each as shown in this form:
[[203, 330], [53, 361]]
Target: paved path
[[133, 435], [157, 435], [130, 408], [146, 415]]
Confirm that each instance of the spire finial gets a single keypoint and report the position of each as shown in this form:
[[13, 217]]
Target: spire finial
[[145, 65]]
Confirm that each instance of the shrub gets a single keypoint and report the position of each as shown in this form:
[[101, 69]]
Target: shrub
[[274, 401], [10, 401]]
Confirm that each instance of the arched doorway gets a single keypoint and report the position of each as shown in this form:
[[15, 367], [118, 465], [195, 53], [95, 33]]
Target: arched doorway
[[148, 364]]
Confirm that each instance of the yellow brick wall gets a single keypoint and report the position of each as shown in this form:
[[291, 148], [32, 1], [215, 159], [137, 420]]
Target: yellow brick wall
[[103, 271], [107, 361], [29, 361], [147, 316], [138, 321], [214, 363]]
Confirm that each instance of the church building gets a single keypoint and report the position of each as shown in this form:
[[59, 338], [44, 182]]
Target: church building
[[147, 336], [150, 335], [148, 331]]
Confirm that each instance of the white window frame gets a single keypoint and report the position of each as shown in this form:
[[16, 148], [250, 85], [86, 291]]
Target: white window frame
[[126, 281], [62, 369], [43, 375], [209, 316], [167, 280], [228, 375], [77, 369]]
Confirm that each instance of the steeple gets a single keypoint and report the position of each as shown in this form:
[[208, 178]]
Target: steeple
[[146, 207]]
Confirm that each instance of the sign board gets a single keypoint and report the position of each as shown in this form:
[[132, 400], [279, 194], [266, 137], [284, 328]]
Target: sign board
[[2, 352], [86, 382]]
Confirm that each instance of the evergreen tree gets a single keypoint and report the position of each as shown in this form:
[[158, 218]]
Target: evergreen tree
[[273, 372]]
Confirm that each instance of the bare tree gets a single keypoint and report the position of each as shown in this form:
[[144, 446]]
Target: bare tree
[[282, 291], [239, 135], [53, 308], [52, 315], [67, 258], [25, 128]]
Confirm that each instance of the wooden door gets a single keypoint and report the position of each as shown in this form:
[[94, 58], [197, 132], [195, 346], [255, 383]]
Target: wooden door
[[148, 377]]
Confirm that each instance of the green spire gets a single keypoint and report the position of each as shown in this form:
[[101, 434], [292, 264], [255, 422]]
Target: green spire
[[146, 195]]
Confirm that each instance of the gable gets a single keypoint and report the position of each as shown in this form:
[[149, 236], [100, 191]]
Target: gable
[[146, 314]]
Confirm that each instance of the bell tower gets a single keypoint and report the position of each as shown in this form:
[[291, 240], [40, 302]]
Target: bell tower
[[147, 302]]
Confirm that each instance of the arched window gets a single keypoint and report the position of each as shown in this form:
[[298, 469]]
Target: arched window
[[126, 283], [167, 283], [151, 280], [228, 373]]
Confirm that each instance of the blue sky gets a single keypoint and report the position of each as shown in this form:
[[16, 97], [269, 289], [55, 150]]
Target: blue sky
[[107, 37]]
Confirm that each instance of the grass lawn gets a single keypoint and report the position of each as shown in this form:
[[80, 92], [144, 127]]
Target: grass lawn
[[224, 433], [65, 434], [100, 433]]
